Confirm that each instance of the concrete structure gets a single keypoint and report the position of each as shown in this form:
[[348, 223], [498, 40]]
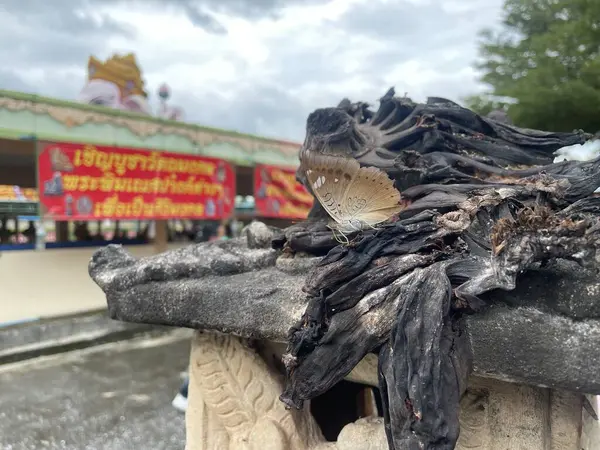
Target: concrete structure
[[533, 361], [234, 404], [26, 119]]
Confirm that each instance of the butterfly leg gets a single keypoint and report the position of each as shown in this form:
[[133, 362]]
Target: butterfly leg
[[338, 238], [346, 240]]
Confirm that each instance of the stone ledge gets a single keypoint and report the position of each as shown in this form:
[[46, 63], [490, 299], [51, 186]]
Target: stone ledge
[[533, 344]]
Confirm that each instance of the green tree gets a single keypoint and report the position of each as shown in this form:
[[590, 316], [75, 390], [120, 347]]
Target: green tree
[[483, 104], [547, 58]]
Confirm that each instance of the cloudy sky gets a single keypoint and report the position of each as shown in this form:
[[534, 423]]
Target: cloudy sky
[[256, 66]]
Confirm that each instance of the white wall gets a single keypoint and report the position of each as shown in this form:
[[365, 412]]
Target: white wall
[[51, 282]]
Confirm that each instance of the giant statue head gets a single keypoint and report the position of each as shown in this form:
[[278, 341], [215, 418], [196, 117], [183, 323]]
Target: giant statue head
[[116, 83]]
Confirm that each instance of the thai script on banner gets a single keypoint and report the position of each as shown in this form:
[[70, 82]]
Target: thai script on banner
[[277, 193], [84, 182]]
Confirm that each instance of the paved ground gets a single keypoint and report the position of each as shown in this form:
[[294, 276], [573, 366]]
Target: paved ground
[[110, 397]]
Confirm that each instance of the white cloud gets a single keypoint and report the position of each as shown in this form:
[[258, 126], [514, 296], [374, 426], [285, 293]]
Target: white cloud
[[276, 62]]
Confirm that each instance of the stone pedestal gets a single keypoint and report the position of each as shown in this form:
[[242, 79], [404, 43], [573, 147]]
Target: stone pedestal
[[546, 333], [233, 404]]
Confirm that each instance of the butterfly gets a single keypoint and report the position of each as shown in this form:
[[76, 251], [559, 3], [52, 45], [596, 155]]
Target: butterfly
[[355, 197]]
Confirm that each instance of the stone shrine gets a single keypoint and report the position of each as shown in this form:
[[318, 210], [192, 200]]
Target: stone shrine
[[471, 321]]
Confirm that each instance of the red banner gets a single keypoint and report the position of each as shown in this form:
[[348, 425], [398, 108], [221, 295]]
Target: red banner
[[87, 182], [278, 194]]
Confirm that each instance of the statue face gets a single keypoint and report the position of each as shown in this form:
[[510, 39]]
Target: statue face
[[106, 93], [100, 92]]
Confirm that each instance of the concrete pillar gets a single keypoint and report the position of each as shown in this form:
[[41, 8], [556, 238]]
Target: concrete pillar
[[590, 434], [62, 231], [496, 415], [160, 236]]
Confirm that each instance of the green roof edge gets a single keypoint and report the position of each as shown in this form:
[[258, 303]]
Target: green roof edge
[[143, 117]]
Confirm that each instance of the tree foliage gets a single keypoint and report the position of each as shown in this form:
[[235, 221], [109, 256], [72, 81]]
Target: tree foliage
[[483, 104], [547, 57]]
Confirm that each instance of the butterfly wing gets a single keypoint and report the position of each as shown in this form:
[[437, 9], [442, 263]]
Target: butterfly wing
[[372, 218], [329, 178], [372, 197]]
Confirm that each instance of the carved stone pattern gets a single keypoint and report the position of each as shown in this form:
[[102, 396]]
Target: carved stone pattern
[[75, 117], [474, 425], [240, 394], [234, 405]]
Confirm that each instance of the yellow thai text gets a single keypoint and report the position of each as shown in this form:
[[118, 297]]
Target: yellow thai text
[[139, 208], [121, 163], [166, 185], [290, 186]]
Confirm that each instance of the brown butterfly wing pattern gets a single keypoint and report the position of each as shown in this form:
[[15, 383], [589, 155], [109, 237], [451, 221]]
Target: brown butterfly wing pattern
[[349, 193], [372, 197], [330, 178]]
